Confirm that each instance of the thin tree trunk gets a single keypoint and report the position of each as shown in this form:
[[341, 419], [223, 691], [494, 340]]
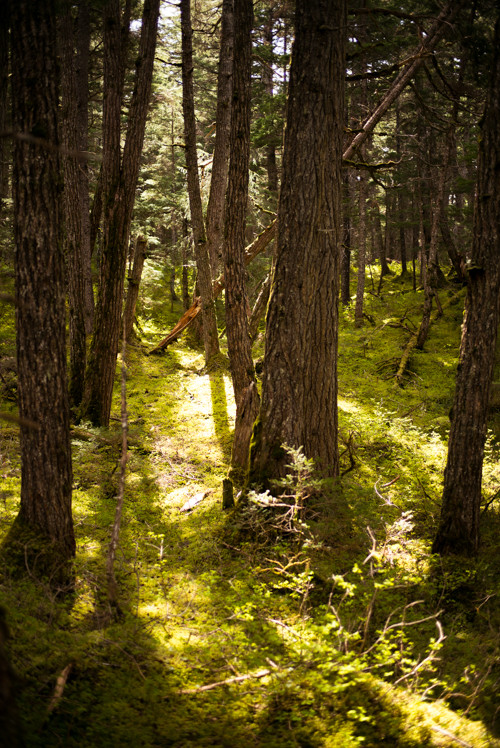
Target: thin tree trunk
[[119, 178], [134, 281], [238, 338], [75, 207], [204, 278], [360, 288], [185, 275], [260, 306], [220, 163], [458, 530], [345, 258]]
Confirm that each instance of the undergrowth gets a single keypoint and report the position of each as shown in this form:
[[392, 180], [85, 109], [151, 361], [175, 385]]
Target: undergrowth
[[314, 616]]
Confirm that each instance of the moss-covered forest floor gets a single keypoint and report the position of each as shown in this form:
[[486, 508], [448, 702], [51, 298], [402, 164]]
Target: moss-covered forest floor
[[343, 632]]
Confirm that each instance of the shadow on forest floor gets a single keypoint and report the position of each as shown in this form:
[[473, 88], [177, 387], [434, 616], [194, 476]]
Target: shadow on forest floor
[[331, 638]]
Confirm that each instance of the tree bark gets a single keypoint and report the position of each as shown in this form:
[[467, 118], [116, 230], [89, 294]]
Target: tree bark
[[4, 97], [220, 163], [76, 203], [360, 288], [46, 474], [345, 259], [458, 530], [119, 178], [134, 281], [238, 338], [300, 363], [204, 279]]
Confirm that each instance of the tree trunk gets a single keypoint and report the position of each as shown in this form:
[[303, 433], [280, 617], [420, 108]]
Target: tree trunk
[[360, 288], [259, 307], [220, 164], [46, 474], [345, 258], [186, 241], [119, 177], [300, 364], [76, 205], [458, 530], [134, 281], [238, 338], [204, 279], [4, 97]]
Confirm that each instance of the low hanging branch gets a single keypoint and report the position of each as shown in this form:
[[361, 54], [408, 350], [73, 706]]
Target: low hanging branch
[[254, 249]]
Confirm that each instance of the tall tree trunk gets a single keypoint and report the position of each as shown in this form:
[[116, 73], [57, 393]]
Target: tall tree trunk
[[238, 338], [134, 281], [345, 258], [386, 247], [82, 82], [204, 279], [300, 364], [458, 530], [220, 163], [76, 203], [186, 241], [360, 288], [119, 177], [267, 80], [46, 474]]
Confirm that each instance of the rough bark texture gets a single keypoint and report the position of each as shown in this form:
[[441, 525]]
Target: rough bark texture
[[459, 524], [220, 163], [76, 203], [133, 285], [238, 338], [300, 364], [204, 278], [4, 88], [119, 177], [46, 474]]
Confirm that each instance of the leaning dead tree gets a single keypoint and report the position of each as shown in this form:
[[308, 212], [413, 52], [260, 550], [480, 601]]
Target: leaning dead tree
[[255, 248]]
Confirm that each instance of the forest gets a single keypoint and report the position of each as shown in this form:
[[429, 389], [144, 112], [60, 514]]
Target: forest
[[249, 373]]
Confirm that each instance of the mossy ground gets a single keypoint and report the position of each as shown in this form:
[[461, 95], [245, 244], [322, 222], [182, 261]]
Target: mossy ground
[[332, 616]]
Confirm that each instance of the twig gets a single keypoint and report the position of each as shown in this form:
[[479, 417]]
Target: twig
[[385, 485], [429, 657], [450, 735], [228, 681]]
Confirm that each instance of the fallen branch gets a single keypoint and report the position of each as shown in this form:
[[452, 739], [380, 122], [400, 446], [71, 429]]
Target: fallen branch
[[227, 682], [253, 249]]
